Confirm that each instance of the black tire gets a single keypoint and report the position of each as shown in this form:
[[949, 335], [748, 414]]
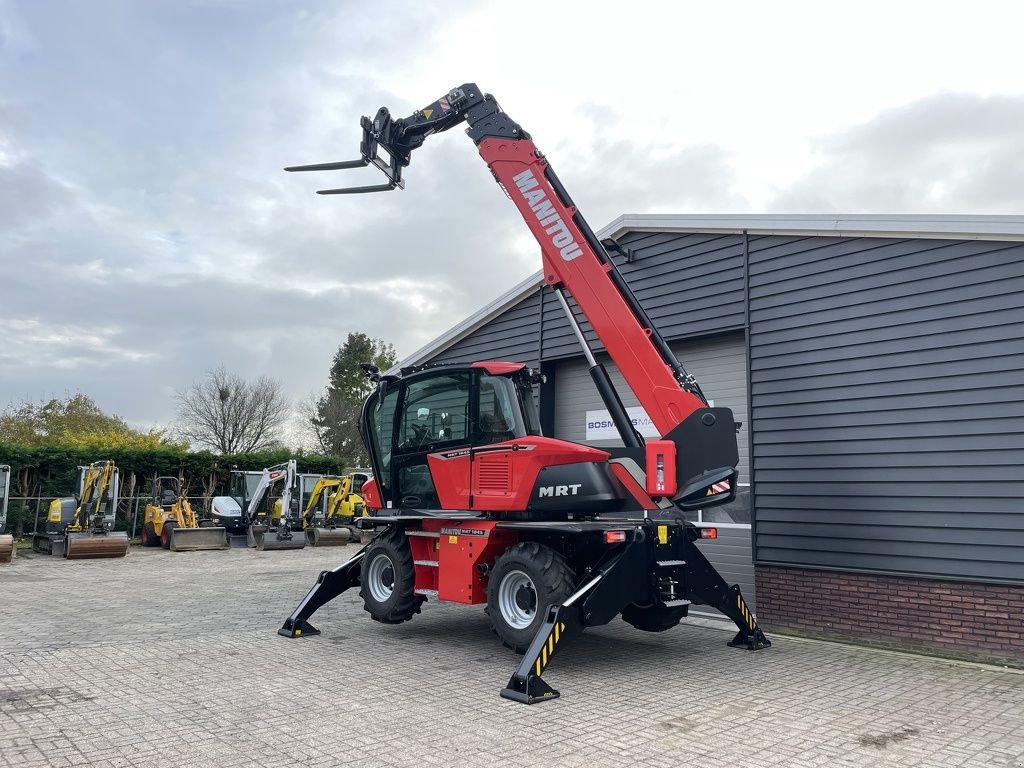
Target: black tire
[[653, 618], [165, 534], [387, 579], [149, 537], [535, 577]]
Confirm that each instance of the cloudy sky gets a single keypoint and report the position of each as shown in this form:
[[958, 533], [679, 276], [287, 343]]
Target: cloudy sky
[[148, 234]]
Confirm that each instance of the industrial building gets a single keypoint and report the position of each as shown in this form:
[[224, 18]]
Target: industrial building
[[877, 366]]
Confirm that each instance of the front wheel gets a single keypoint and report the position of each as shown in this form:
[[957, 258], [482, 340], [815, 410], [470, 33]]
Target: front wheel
[[387, 579], [526, 580], [165, 534]]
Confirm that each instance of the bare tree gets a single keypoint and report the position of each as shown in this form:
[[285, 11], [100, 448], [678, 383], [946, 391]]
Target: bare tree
[[230, 415]]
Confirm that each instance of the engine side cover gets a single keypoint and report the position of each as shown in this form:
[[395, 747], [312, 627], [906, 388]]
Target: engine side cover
[[583, 487]]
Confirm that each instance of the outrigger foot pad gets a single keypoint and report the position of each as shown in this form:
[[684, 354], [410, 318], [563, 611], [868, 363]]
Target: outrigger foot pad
[[750, 640], [328, 586], [529, 691], [299, 629]]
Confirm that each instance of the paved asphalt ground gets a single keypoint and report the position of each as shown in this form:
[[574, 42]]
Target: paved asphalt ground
[[172, 659]]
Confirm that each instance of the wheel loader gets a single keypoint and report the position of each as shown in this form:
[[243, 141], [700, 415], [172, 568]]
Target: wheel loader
[[81, 527], [171, 523], [7, 549], [474, 505], [329, 517]]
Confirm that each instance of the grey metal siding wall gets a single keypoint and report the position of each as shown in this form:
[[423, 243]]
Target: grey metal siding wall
[[513, 336], [886, 392], [690, 285]]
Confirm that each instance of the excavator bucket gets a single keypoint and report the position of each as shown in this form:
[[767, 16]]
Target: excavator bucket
[[6, 549], [269, 539], [331, 537], [196, 539], [83, 545]]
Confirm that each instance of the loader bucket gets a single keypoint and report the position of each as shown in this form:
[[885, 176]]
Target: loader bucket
[[270, 539], [195, 539], [86, 544], [6, 549], [330, 537]]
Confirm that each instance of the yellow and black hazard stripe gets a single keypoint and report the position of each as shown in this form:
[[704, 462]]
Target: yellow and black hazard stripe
[[747, 615], [548, 649]]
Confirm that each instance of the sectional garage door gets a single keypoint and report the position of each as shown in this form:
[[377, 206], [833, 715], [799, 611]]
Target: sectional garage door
[[720, 366]]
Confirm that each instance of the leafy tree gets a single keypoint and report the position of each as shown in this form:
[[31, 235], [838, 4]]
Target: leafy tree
[[230, 415], [334, 416], [75, 420]]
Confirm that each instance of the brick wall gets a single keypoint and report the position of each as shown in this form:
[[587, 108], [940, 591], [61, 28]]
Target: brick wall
[[984, 622]]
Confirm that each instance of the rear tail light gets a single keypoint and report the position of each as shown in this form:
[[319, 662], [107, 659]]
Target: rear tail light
[[614, 537], [709, 533]]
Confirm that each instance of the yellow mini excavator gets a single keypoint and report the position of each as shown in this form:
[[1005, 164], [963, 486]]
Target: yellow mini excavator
[[6, 542], [333, 524], [172, 523], [81, 527]]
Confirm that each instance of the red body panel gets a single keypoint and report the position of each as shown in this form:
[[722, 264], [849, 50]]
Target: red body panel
[[661, 468], [634, 488], [570, 262], [371, 494], [500, 477], [497, 369], [448, 562]]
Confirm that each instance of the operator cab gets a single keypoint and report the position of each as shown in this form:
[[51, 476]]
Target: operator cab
[[446, 412]]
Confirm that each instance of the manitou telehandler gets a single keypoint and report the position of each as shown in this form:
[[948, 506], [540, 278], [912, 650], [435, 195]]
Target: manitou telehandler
[[334, 504], [476, 506], [171, 522], [7, 548], [81, 527]]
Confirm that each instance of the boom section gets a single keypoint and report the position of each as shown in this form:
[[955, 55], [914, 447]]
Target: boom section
[[574, 260], [571, 262]]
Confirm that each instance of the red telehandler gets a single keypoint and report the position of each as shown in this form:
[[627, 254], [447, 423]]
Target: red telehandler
[[473, 505]]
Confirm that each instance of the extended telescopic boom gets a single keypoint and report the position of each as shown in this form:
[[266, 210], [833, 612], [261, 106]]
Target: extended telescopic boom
[[574, 262]]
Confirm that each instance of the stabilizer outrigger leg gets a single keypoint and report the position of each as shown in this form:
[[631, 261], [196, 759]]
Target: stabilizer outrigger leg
[[616, 585], [705, 583], [328, 586], [526, 685]]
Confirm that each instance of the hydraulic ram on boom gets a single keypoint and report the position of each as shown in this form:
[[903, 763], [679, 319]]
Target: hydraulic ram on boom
[[477, 507]]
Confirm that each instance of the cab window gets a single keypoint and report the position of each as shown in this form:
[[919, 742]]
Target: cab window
[[435, 412]]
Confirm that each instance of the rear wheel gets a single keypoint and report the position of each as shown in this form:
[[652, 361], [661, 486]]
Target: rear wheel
[[387, 579], [165, 535], [526, 580], [149, 538], [653, 618]]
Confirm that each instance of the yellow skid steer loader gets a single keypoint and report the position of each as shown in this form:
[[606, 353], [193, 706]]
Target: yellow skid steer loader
[[172, 523]]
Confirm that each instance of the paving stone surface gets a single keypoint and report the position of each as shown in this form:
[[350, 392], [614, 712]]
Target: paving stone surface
[[172, 659]]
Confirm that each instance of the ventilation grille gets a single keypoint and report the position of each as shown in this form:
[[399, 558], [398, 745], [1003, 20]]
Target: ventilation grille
[[494, 476]]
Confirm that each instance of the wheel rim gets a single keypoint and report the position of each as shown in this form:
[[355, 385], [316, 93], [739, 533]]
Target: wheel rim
[[517, 599], [380, 578]]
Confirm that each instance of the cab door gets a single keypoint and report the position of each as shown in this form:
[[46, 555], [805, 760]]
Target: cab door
[[430, 465]]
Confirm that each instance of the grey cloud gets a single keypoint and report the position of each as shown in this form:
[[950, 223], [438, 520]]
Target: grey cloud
[[949, 153]]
